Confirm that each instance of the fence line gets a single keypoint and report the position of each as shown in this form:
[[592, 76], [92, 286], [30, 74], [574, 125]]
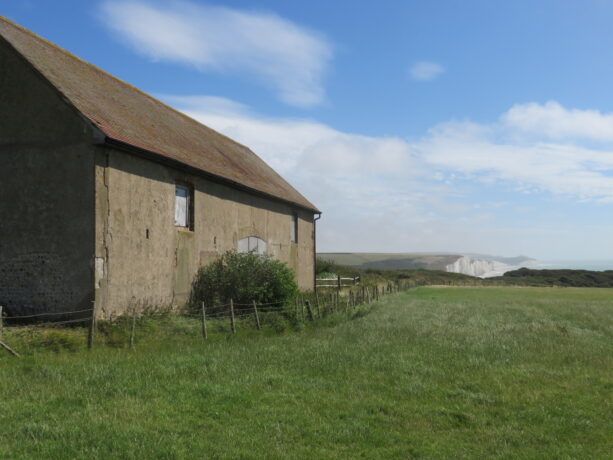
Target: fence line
[[311, 307], [339, 282]]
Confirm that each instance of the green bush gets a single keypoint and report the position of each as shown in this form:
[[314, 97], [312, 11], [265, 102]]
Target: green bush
[[324, 266], [242, 277]]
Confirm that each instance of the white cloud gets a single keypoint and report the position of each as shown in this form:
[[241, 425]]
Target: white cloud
[[352, 178], [387, 194], [279, 53], [425, 70], [289, 144], [504, 151], [533, 148], [553, 121]]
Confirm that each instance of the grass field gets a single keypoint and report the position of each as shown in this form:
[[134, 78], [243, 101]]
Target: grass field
[[430, 373]]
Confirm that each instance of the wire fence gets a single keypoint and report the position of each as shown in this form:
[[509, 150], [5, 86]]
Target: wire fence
[[303, 308]]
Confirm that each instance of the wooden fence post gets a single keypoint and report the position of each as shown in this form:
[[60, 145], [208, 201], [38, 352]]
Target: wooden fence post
[[92, 328], [205, 333], [9, 349], [2, 344], [133, 333], [232, 320], [338, 281], [257, 317], [310, 310], [318, 306], [367, 295]]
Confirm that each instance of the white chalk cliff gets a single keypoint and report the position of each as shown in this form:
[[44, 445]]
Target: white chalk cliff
[[483, 268]]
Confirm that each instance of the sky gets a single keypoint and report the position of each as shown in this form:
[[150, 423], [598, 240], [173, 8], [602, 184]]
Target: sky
[[415, 126]]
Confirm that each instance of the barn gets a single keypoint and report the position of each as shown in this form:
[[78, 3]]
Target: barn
[[107, 195]]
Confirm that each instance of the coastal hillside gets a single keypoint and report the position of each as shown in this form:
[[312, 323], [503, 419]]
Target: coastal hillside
[[390, 261], [480, 265]]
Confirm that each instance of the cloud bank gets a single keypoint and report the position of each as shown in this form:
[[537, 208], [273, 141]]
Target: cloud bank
[[391, 194], [531, 148], [278, 53]]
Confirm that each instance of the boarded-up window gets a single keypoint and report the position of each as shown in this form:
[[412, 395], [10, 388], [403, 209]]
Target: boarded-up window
[[294, 228], [252, 244], [182, 206]]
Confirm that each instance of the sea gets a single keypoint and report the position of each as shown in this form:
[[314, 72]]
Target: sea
[[595, 265]]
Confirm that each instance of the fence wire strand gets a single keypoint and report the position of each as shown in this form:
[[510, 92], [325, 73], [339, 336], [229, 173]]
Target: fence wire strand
[[38, 315], [53, 323]]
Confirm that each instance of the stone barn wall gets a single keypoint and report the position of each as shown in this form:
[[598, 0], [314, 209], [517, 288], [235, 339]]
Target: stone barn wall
[[143, 259], [46, 194]]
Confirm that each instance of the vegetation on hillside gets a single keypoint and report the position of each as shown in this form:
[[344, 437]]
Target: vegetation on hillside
[[401, 261], [563, 278]]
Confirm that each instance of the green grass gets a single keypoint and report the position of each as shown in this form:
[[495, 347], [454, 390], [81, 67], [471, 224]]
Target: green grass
[[430, 373]]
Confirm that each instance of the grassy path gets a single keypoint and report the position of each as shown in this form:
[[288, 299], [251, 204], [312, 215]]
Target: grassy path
[[431, 373]]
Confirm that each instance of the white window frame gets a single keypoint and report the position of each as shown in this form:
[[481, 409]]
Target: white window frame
[[185, 220], [294, 228]]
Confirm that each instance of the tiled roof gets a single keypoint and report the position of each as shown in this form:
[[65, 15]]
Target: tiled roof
[[128, 116]]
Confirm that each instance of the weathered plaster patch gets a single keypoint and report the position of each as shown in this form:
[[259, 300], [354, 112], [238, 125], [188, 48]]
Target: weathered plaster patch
[[99, 271]]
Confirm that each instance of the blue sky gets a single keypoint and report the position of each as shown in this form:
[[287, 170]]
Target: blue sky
[[465, 126]]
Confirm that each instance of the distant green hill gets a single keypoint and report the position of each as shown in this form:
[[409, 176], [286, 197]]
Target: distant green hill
[[390, 261], [567, 278]]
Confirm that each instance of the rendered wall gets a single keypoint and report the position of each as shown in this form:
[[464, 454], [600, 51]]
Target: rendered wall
[[143, 260], [46, 195]]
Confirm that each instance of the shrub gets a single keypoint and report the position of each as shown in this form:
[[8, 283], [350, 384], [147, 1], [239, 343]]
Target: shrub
[[242, 277], [324, 266]]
